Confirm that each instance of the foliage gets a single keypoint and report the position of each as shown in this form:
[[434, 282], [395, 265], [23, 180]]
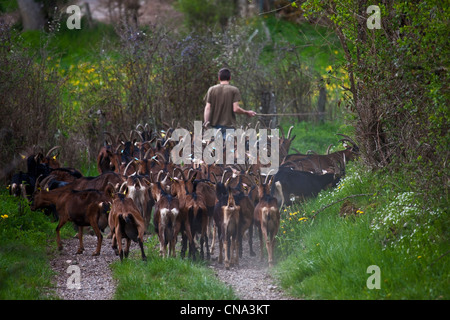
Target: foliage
[[30, 94], [200, 14], [24, 269], [329, 242], [398, 77]]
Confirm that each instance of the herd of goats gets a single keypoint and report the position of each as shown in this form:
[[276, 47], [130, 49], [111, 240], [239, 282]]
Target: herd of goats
[[136, 178]]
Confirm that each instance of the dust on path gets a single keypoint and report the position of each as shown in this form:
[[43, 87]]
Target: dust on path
[[251, 279]]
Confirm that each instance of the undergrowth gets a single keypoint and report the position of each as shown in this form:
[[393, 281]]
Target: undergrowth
[[328, 243]]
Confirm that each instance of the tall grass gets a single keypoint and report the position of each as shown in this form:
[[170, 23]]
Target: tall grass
[[24, 269], [328, 251]]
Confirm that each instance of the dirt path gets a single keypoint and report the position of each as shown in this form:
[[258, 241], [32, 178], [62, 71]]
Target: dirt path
[[251, 280], [96, 282]]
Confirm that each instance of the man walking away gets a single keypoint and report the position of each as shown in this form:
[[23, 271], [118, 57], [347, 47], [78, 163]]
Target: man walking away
[[222, 103]]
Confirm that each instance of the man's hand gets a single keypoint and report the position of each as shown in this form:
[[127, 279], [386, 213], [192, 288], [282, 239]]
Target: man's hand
[[251, 113]]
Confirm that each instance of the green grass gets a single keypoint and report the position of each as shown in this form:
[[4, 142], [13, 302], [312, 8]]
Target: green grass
[[317, 136], [166, 279], [24, 268], [326, 256]]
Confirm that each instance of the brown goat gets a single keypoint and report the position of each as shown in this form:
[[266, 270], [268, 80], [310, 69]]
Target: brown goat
[[169, 219], [84, 208], [125, 221], [230, 231], [267, 219], [137, 188], [198, 221]]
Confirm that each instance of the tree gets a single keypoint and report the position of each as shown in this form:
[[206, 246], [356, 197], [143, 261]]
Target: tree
[[398, 75], [32, 15]]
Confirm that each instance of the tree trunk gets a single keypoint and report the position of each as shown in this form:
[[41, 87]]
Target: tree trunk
[[32, 16]]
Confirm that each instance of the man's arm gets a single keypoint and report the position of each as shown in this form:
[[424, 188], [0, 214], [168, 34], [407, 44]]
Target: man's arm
[[238, 109], [207, 112]]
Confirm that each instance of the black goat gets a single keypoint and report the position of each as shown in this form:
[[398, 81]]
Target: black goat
[[299, 184]]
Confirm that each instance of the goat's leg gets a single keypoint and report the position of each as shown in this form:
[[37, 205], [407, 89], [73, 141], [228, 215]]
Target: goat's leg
[[227, 252], [80, 238], [268, 245], [213, 242], [98, 233], [250, 240], [261, 243], [127, 248], [114, 242], [119, 243], [236, 252], [173, 241], [61, 223], [220, 245], [183, 245], [187, 227], [141, 245], [162, 240]]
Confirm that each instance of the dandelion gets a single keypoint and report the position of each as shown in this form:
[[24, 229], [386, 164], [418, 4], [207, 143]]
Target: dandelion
[[419, 257], [329, 69], [4, 216], [303, 219]]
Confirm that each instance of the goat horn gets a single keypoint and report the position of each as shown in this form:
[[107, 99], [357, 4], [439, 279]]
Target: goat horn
[[162, 156], [347, 138], [51, 150], [110, 136], [126, 168], [267, 176], [146, 154], [182, 173], [215, 177], [159, 175], [121, 186], [328, 149], [113, 186], [227, 182], [289, 132], [139, 134], [38, 181]]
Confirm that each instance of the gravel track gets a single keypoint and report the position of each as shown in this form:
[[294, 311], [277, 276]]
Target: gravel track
[[250, 280]]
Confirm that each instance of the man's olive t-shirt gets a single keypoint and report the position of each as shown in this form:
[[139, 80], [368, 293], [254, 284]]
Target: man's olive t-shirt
[[221, 97]]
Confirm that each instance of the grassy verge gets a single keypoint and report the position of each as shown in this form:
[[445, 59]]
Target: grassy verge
[[328, 252], [166, 279], [25, 235]]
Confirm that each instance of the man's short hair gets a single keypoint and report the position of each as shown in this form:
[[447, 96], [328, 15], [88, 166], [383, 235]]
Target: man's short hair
[[224, 74]]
